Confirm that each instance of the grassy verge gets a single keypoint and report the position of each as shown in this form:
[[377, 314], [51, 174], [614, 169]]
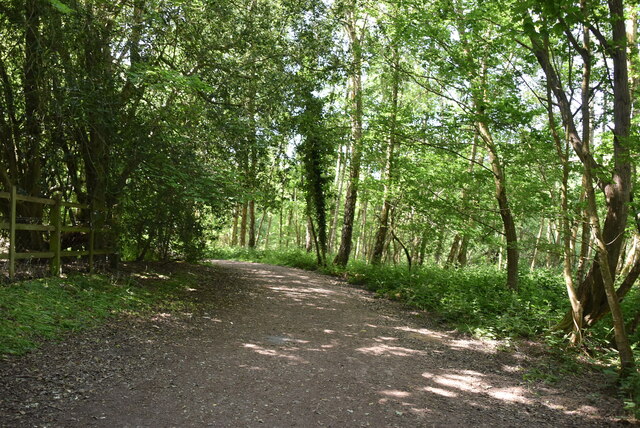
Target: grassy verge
[[33, 311]]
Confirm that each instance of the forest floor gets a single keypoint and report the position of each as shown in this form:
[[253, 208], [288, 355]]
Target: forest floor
[[280, 347]]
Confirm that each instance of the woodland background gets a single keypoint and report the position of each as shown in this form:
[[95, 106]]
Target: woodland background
[[483, 148]]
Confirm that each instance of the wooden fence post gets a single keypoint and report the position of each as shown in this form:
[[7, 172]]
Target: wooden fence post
[[12, 234], [54, 240]]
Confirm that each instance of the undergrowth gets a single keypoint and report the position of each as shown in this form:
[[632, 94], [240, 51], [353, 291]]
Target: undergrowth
[[36, 310]]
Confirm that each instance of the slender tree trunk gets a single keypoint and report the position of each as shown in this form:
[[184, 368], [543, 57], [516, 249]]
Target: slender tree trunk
[[535, 247], [567, 266], [453, 252], [508, 222], [243, 225], [437, 254], [501, 253], [627, 360], [362, 236], [342, 257], [266, 236], [381, 234], [594, 291], [464, 241], [423, 247], [309, 235], [340, 173], [280, 221], [252, 224], [234, 229], [259, 230], [29, 177], [289, 228], [549, 235]]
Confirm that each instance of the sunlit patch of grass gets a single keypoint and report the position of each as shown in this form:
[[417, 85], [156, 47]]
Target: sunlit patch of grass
[[33, 311]]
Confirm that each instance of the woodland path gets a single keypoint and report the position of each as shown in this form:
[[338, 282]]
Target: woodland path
[[272, 346]]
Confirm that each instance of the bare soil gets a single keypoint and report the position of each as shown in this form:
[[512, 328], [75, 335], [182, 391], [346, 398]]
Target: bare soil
[[280, 347]]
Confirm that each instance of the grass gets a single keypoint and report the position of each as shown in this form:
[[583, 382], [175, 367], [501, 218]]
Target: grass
[[37, 310]]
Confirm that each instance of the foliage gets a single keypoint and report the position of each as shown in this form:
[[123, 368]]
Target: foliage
[[36, 310]]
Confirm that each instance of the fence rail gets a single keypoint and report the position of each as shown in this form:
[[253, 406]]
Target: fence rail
[[55, 229]]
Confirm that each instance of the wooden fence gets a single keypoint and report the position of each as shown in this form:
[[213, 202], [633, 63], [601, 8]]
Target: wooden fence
[[55, 229]]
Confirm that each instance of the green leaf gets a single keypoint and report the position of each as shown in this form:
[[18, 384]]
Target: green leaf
[[61, 7]]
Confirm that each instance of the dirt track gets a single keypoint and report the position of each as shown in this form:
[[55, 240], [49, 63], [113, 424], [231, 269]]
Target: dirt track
[[279, 347]]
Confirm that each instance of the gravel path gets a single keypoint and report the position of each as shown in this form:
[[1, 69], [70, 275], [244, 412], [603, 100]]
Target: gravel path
[[280, 347]]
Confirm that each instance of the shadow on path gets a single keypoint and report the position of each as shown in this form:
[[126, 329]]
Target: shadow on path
[[291, 348]]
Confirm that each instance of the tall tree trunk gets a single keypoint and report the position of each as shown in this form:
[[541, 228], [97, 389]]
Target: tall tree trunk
[[509, 226], [259, 229], [101, 106], [266, 235], [28, 175], [453, 252], [592, 290], [463, 251], [252, 224], [243, 225], [510, 234], [423, 247], [308, 246], [361, 248], [381, 234], [437, 254], [536, 245], [567, 266], [280, 223], [340, 175], [234, 229], [464, 242], [342, 257]]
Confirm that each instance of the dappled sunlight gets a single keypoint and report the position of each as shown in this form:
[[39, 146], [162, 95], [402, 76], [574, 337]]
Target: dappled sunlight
[[461, 382], [274, 353], [423, 332], [397, 351], [440, 391], [385, 339], [216, 320], [403, 368], [371, 325], [149, 275], [486, 347], [251, 368], [161, 316], [511, 369], [395, 393], [469, 381], [320, 308], [303, 291], [514, 394], [279, 340]]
